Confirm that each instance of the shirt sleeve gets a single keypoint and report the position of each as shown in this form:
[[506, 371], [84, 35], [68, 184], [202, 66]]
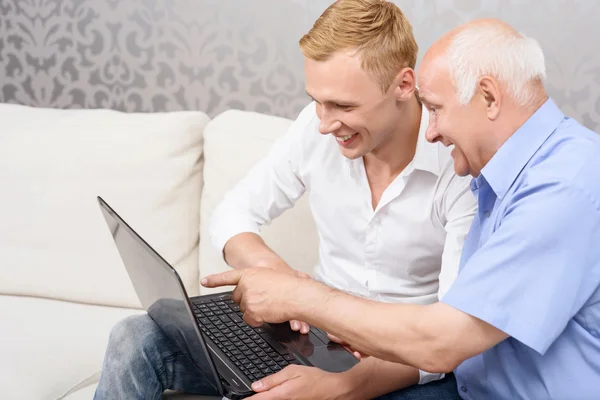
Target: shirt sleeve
[[271, 186], [537, 269], [456, 211], [426, 377]]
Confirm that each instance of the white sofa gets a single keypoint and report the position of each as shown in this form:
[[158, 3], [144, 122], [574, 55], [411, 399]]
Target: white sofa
[[62, 283]]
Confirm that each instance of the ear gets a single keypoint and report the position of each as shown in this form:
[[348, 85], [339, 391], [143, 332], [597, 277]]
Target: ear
[[490, 95], [404, 84]]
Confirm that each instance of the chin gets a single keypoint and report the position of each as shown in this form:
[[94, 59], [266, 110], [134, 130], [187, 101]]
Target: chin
[[461, 171], [461, 165], [351, 154], [461, 168]]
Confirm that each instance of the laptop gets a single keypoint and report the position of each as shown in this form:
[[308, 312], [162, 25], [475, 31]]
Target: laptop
[[210, 330]]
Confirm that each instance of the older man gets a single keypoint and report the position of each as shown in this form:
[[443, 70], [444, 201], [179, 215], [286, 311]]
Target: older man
[[522, 320]]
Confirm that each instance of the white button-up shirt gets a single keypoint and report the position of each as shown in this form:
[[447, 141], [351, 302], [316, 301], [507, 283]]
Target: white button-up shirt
[[406, 250]]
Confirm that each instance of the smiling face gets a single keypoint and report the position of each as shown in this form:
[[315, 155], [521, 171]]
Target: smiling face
[[351, 105], [463, 126]]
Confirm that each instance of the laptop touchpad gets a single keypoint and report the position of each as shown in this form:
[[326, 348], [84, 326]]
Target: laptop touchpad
[[332, 358], [314, 347]]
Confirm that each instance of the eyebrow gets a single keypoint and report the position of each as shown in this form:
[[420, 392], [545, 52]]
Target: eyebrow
[[424, 99], [335, 101]]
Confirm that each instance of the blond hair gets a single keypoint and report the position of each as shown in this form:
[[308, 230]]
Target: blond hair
[[376, 29]]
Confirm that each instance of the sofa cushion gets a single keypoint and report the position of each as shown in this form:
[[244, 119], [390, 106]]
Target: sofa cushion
[[233, 142], [50, 346], [53, 163]]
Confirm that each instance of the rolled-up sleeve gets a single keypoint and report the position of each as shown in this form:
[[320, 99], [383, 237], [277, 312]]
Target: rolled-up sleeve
[[270, 187], [537, 269]]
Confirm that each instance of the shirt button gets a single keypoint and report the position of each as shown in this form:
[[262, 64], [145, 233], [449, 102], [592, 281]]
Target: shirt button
[[487, 214], [464, 389]]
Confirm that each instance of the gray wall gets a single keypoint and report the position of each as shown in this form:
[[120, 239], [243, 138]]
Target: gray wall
[[211, 55]]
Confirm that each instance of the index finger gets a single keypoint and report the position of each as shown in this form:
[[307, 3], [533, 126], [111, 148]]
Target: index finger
[[227, 278]]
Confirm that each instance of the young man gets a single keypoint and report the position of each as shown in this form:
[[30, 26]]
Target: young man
[[522, 319], [391, 213]]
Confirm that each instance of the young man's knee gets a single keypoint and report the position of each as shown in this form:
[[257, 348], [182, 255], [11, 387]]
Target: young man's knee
[[131, 331]]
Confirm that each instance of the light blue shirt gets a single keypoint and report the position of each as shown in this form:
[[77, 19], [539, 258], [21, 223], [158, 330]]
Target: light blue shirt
[[531, 265]]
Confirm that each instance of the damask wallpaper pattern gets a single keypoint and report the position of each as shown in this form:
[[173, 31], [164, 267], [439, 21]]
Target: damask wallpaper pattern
[[211, 55]]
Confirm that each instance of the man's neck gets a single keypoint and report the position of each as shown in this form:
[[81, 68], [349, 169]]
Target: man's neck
[[398, 152]]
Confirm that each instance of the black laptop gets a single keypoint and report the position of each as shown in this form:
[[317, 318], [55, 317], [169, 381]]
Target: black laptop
[[210, 329]]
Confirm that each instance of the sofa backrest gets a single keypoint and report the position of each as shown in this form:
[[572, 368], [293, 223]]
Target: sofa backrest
[[54, 241], [233, 142]]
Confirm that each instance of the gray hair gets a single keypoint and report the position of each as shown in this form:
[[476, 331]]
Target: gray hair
[[491, 49]]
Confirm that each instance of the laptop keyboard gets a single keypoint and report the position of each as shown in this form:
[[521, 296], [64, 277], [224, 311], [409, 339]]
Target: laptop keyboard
[[250, 349]]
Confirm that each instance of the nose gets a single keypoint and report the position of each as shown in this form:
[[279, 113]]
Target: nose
[[328, 122], [432, 134]]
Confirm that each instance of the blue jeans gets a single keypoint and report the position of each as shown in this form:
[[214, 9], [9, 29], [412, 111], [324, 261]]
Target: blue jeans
[[141, 362]]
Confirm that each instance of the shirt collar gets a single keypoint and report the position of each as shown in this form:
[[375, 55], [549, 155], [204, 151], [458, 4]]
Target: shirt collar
[[504, 167]]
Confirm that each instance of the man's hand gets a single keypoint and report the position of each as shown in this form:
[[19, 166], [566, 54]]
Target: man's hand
[[248, 250], [264, 295], [281, 266], [297, 382]]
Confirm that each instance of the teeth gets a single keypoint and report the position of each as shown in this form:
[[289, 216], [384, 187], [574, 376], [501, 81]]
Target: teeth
[[343, 138]]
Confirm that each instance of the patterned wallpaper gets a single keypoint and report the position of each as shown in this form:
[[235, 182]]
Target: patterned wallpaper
[[211, 55]]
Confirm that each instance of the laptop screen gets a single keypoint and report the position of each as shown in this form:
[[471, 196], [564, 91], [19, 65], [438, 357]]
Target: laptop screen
[[161, 293]]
